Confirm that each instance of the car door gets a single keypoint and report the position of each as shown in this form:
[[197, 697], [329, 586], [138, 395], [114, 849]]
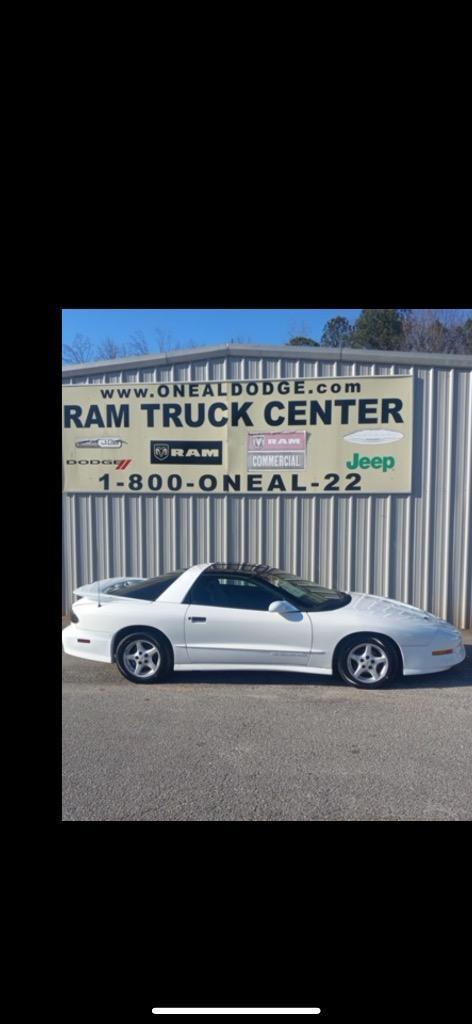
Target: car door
[[227, 622]]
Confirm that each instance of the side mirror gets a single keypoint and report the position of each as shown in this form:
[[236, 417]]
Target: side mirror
[[282, 607]]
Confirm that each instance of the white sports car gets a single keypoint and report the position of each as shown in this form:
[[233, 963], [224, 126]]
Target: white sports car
[[225, 616]]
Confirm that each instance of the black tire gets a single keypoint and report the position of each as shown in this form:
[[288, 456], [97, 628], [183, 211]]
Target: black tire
[[368, 661], [148, 653]]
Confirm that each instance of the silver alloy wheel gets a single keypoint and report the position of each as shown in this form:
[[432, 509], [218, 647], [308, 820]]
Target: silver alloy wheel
[[367, 663], [141, 658]]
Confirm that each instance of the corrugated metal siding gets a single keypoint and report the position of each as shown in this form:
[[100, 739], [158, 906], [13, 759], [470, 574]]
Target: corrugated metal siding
[[416, 548]]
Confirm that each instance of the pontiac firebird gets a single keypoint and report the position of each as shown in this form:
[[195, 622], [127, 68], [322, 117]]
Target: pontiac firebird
[[223, 616]]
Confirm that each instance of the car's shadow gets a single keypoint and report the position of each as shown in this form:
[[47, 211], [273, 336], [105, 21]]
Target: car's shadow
[[460, 675]]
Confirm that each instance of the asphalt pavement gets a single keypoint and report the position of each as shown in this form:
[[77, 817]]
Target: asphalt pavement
[[265, 747]]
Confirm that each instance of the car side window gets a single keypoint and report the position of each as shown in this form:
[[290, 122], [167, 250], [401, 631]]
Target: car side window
[[232, 592]]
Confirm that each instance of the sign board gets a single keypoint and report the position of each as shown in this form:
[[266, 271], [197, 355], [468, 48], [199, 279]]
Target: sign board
[[305, 436]]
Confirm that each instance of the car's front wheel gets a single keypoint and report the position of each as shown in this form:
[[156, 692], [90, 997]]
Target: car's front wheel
[[368, 661], [142, 658]]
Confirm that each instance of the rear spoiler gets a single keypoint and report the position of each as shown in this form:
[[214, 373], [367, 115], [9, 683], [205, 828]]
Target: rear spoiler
[[98, 589]]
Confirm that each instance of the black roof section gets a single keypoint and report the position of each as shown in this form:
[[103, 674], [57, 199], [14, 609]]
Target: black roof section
[[242, 567]]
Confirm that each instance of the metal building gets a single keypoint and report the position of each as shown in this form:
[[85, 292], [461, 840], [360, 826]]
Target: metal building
[[416, 548]]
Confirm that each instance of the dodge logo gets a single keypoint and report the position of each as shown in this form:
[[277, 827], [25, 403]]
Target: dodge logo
[[161, 451]]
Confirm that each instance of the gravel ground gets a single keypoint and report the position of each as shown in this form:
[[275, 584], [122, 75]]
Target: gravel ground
[[265, 747]]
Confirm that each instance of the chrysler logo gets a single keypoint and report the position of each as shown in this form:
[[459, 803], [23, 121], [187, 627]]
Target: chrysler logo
[[101, 442]]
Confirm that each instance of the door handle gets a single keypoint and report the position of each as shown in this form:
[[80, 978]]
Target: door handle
[[196, 618]]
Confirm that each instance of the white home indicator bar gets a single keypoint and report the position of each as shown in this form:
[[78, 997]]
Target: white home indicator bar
[[313, 1009]]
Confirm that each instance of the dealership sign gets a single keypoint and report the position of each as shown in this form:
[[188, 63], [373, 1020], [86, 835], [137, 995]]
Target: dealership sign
[[308, 436]]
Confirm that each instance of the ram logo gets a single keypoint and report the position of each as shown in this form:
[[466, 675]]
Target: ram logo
[[188, 453], [161, 451]]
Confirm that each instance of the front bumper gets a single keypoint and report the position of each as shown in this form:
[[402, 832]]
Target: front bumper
[[421, 660], [97, 647]]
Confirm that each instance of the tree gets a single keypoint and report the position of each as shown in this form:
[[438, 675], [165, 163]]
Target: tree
[[165, 342], [110, 349], [80, 351], [139, 345], [337, 332], [438, 330], [380, 329], [303, 341], [468, 335]]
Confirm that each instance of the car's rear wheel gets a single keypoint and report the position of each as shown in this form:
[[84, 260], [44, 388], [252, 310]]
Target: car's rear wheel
[[141, 657], [368, 661]]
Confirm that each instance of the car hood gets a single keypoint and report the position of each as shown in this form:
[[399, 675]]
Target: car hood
[[386, 609]]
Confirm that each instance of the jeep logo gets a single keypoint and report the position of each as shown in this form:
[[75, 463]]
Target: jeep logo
[[383, 462]]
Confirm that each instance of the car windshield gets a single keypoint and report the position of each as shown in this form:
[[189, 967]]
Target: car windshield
[[306, 594]]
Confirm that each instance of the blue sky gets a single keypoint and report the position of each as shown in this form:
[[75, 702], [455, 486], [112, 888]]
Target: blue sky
[[198, 326]]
